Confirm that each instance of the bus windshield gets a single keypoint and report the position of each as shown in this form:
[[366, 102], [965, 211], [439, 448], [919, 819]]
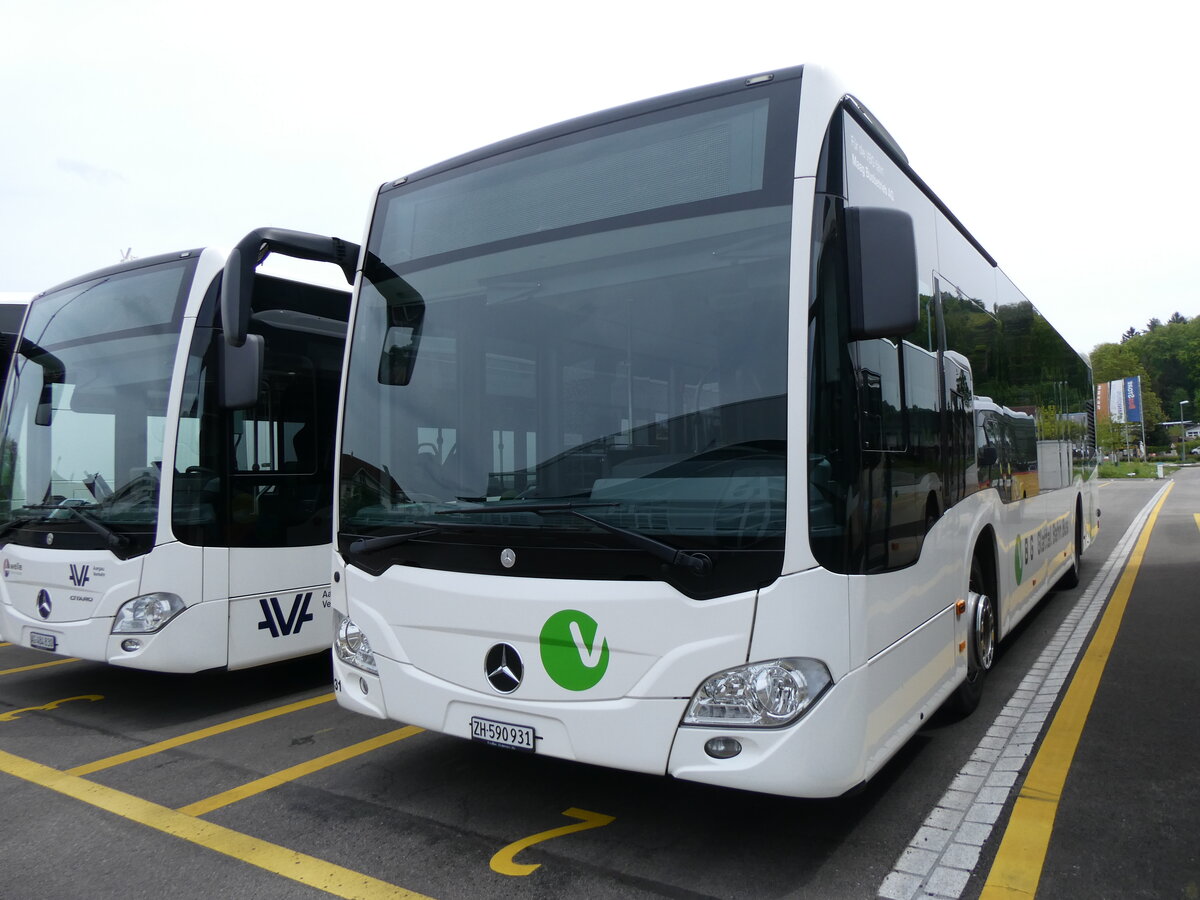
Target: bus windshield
[[85, 409], [599, 320]]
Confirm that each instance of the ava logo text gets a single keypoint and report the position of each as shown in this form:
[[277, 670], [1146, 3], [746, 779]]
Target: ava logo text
[[79, 575], [274, 619]]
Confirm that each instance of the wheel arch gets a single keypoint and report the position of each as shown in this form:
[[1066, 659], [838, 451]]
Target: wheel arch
[[986, 549]]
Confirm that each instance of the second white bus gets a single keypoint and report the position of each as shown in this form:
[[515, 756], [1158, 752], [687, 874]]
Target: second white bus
[[165, 499]]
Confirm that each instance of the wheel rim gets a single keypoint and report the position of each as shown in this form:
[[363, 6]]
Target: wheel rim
[[983, 629]]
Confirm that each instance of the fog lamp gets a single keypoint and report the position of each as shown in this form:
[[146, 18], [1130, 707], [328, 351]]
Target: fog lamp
[[722, 747]]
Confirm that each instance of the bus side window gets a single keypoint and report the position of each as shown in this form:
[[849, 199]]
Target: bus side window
[[882, 411]]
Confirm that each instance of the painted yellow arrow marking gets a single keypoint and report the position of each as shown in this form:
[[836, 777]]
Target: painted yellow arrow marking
[[503, 861], [14, 714], [1197, 517]]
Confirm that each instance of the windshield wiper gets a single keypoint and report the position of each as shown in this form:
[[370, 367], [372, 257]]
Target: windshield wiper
[[697, 563], [370, 545], [116, 540], [14, 524]]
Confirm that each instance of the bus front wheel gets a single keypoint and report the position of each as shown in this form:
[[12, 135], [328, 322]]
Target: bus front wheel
[[981, 641]]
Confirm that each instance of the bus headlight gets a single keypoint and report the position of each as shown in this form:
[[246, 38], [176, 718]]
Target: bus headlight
[[352, 646], [147, 614], [762, 694]]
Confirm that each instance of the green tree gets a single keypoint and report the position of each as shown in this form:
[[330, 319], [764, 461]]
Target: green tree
[[1170, 356], [1113, 361]]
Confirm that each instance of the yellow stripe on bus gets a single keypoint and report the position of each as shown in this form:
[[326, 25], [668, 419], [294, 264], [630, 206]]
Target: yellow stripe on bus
[[1017, 868], [298, 867]]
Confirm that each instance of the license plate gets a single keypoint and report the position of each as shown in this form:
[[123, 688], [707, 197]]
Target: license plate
[[39, 641], [503, 734]]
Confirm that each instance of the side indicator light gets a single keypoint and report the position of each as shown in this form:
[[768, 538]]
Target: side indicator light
[[960, 607]]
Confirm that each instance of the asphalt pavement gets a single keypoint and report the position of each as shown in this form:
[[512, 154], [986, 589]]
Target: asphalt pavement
[[1126, 823]]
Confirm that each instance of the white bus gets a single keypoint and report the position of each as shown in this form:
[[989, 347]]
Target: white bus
[[657, 446], [165, 501]]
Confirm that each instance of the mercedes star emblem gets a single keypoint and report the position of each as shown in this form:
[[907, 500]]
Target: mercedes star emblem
[[43, 604], [503, 668]]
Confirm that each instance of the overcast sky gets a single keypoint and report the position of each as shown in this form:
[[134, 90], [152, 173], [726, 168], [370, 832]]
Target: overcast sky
[[1063, 135]]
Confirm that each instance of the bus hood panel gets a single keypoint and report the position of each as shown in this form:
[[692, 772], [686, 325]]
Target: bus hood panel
[[545, 639], [53, 586]]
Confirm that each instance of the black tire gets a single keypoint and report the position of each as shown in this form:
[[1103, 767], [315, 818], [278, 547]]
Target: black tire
[[981, 642], [1070, 578]]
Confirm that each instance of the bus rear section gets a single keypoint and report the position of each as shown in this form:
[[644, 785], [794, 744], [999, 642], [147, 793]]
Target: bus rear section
[[167, 507]]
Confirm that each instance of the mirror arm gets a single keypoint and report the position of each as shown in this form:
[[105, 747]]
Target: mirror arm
[[237, 284]]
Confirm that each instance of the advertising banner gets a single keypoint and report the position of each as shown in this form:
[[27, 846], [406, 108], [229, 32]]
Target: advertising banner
[[1120, 400], [1133, 399]]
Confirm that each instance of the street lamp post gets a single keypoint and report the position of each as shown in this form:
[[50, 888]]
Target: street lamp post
[[1182, 430]]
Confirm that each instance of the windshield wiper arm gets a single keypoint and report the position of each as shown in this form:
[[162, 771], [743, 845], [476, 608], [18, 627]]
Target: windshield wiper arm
[[116, 540], [370, 545], [14, 524], [697, 563]]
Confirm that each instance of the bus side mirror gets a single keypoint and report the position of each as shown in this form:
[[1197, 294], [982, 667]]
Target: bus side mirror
[[881, 249], [399, 356], [44, 414], [406, 317], [53, 372], [241, 371], [987, 456]]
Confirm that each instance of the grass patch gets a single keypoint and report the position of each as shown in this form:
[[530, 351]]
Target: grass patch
[[1135, 469]]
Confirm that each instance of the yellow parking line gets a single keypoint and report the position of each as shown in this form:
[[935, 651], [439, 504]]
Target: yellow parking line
[[299, 867], [1017, 868], [217, 801], [45, 665], [151, 749], [504, 860]]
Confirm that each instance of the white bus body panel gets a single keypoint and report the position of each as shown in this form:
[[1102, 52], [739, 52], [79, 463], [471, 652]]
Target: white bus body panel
[[279, 603], [431, 631], [856, 727], [82, 610], [432, 673], [258, 626], [661, 644]]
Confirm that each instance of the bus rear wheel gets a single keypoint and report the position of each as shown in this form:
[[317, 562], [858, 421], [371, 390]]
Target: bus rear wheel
[[981, 641]]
